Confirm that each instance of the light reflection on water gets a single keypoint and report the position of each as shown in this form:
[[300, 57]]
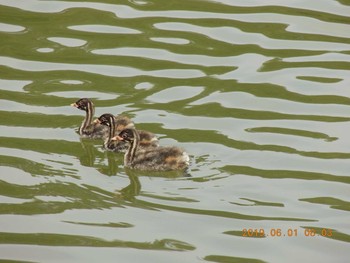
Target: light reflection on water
[[256, 92]]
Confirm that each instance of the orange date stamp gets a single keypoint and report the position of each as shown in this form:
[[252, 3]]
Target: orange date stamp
[[290, 232]]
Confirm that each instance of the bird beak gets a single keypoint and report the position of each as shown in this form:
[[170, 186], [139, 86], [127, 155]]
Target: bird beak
[[97, 121], [117, 138], [74, 105]]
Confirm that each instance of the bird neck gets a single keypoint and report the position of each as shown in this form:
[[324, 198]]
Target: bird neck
[[130, 154], [90, 111], [111, 129]]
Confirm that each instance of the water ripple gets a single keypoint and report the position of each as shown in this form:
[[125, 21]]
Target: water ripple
[[238, 37], [10, 28], [104, 29], [257, 92], [105, 70]]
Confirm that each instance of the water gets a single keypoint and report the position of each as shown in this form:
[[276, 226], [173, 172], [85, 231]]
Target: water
[[256, 91]]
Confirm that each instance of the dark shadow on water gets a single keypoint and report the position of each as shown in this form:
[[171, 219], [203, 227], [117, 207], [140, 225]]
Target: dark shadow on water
[[134, 188], [88, 152], [282, 174], [228, 259], [54, 197], [48, 239], [112, 167]]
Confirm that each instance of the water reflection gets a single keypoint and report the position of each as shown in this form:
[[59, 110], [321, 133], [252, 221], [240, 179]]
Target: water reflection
[[41, 239], [88, 152]]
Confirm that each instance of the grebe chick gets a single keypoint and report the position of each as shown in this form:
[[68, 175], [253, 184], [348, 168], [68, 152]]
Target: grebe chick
[[116, 125], [88, 129], [153, 158]]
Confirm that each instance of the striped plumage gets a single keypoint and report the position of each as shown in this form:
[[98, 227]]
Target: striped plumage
[[116, 125], [89, 129], [152, 158]]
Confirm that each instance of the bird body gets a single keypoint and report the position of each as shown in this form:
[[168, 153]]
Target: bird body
[[152, 158]]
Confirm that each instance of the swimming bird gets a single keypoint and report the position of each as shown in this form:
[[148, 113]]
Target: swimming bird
[[93, 129], [116, 125], [88, 129], [151, 158]]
